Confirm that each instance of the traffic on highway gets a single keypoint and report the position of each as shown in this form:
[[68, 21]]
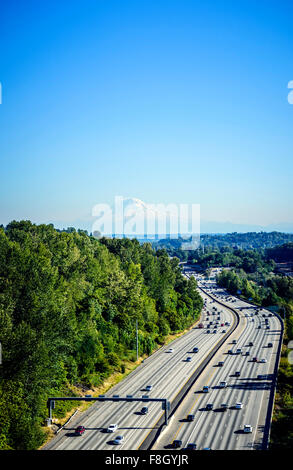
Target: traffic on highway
[[218, 377]]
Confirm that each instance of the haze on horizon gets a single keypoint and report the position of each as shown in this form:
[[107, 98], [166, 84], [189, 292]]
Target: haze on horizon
[[166, 101]]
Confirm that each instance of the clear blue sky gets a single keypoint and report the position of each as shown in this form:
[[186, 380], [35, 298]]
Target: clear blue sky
[[170, 101]]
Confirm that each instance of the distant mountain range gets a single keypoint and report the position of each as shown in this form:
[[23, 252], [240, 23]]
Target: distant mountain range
[[205, 227], [228, 227]]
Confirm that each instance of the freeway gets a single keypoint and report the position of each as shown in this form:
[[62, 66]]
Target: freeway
[[167, 373], [248, 382]]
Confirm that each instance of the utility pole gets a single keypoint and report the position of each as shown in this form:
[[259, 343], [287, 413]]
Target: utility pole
[[136, 341]]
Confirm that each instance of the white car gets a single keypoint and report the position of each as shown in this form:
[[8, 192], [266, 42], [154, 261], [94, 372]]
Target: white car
[[170, 350], [263, 360], [238, 405], [247, 428], [112, 427]]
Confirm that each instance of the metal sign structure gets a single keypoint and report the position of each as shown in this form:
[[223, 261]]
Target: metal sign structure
[[166, 406]]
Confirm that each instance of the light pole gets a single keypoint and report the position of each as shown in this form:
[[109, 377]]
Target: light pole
[[136, 341]]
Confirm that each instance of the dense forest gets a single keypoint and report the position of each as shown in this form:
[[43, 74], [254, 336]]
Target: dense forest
[[68, 310], [245, 241]]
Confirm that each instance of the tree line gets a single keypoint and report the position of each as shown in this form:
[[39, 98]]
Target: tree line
[[68, 310]]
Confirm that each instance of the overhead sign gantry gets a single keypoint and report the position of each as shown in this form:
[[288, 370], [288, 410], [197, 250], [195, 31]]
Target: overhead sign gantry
[[166, 406]]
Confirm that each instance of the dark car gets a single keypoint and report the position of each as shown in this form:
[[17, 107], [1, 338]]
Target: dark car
[[270, 345], [177, 443], [144, 410], [209, 406], [190, 446], [190, 417], [254, 359], [237, 373], [79, 430]]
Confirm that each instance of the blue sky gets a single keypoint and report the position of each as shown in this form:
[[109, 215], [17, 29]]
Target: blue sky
[[166, 101]]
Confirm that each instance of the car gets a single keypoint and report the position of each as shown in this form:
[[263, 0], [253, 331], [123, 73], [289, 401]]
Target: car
[[209, 406], [237, 373], [250, 343], [220, 363], [247, 353], [190, 446], [268, 327], [144, 410], [112, 427], [224, 406], [79, 430], [223, 331], [230, 351], [270, 345], [195, 350], [149, 388], [263, 360], [190, 417], [238, 405], [238, 351], [247, 428], [118, 440], [205, 388], [223, 384], [170, 350], [254, 359], [208, 331], [177, 443], [215, 331], [234, 341], [188, 359]]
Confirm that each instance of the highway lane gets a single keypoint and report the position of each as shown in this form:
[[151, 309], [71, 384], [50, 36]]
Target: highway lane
[[223, 430], [166, 372]]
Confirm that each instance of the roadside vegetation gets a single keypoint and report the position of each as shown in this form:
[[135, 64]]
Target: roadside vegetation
[[68, 310]]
